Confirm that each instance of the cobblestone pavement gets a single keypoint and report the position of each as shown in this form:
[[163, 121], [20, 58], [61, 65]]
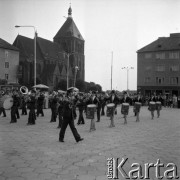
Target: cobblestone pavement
[[34, 153]]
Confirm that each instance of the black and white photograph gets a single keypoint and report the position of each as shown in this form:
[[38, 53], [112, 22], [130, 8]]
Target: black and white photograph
[[89, 89]]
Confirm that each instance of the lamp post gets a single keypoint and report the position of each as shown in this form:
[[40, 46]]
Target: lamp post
[[68, 55], [127, 68], [76, 69], [35, 33]]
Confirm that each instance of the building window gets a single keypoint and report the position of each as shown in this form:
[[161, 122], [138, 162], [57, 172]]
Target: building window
[[147, 80], [6, 64], [148, 55], [174, 55], [148, 68], [160, 56], [6, 54], [6, 76], [174, 68], [174, 80], [159, 80], [160, 68]]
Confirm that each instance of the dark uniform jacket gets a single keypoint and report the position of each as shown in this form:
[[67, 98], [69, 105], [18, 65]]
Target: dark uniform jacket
[[126, 100], [114, 100], [69, 110]]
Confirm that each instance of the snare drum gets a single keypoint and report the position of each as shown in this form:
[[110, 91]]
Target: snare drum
[[110, 109], [90, 111], [158, 105], [125, 108], [137, 107], [152, 106]]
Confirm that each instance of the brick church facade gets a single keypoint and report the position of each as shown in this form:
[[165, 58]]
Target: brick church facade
[[51, 56]]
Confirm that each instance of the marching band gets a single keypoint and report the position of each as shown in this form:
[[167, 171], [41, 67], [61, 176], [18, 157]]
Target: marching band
[[64, 105]]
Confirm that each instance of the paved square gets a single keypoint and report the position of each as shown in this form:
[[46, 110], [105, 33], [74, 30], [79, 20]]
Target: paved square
[[33, 152]]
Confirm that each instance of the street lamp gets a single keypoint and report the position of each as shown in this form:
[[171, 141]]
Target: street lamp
[[76, 69], [68, 55], [35, 33], [127, 68]]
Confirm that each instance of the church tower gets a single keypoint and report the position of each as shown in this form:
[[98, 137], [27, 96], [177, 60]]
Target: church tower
[[72, 42]]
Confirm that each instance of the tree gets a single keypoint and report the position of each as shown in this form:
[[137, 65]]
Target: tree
[[80, 84], [99, 88], [62, 85]]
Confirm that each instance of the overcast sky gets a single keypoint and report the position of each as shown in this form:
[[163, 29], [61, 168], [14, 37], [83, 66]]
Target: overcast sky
[[121, 26]]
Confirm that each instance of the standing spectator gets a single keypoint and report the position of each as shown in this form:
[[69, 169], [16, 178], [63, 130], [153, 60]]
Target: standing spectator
[[164, 100], [40, 102], [174, 101], [178, 101]]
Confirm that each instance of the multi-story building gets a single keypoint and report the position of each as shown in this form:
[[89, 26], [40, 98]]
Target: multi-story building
[[9, 62], [158, 66]]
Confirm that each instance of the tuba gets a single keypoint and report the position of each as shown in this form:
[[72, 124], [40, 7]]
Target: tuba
[[2, 92], [24, 90]]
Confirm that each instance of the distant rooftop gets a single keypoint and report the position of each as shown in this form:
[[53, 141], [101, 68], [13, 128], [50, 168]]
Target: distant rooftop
[[163, 44], [6, 45]]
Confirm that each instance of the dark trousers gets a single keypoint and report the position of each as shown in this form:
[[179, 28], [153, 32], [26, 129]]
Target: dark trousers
[[24, 110], [98, 114], [65, 123], [178, 103], [60, 118], [17, 113], [2, 110], [32, 116], [102, 110], [53, 115], [40, 111], [13, 114], [81, 118]]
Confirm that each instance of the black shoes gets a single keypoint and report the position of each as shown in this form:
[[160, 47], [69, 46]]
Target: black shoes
[[60, 140], [81, 139]]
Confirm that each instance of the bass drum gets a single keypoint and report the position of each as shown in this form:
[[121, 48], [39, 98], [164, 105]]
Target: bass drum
[[8, 103]]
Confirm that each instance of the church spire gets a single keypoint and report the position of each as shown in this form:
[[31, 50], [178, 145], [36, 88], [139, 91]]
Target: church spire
[[70, 11]]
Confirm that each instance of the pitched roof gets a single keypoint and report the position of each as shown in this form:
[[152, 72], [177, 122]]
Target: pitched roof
[[163, 44], [50, 49], [69, 29], [45, 49], [5, 45], [26, 46]]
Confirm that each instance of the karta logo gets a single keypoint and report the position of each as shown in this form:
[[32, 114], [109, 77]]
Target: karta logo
[[115, 168]]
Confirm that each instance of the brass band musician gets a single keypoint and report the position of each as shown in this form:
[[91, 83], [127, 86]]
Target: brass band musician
[[68, 117], [31, 105], [40, 102]]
